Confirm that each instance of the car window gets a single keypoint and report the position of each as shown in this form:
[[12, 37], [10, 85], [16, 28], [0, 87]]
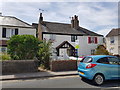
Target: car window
[[103, 60], [86, 60], [114, 60]]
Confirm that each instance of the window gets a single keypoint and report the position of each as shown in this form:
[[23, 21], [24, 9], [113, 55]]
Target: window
[[113, 60], [52, 37], [3, 49], [103, 60], [73, 38], [92, 40], [92, 51], [112, 40], [8, 32], [86, 60]]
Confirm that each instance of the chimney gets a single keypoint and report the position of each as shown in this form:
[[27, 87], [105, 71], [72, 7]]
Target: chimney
[[40, 27], [41, 18], [75, 22], [72, 23]]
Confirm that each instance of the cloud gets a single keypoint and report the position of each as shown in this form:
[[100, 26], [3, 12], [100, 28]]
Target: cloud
[[105, 31], [92, 15], [61, 0]]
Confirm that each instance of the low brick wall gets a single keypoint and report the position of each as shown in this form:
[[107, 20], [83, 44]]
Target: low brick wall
[[19, 66], [63, 65]]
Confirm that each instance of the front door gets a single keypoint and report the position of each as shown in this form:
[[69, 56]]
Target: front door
[[62, 51]]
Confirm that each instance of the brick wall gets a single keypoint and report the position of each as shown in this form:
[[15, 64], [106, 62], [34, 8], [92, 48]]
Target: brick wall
[[19, 66], [63, 65]]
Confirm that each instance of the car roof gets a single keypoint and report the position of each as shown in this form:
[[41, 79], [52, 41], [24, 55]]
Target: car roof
[[96, 57]]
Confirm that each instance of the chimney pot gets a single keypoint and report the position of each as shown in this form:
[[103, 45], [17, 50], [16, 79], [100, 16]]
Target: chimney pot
[[75, 22], [41, 18]]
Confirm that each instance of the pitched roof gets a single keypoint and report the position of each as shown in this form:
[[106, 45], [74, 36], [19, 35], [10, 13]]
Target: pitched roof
[[114, 32], [53, 27], [13, 21]]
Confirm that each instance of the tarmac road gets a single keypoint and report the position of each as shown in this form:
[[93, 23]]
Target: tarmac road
[[57, 82]]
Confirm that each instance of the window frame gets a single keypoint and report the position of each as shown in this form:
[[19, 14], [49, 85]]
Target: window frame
[[73, 38], [9, 32], [112, 40]]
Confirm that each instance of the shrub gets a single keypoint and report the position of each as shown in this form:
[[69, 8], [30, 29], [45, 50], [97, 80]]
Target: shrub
[[23, 47], [101, 50], [44, 54], [5, 56]]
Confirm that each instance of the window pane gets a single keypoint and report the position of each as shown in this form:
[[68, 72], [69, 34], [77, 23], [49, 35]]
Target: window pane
[[114, 60], [86, 60], [12, 32], [3, 49], [8, 32], [111, 39], [73, 38], [103, 60]]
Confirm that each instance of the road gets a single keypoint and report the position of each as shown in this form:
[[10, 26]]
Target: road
[[57, 82]]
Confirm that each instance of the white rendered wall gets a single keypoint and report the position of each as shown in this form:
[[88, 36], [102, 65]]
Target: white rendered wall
[[112, 45], [29, 31], [85, 48], [21, 31]]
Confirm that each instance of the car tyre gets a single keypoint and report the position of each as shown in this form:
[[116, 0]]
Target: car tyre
[[98, 79]]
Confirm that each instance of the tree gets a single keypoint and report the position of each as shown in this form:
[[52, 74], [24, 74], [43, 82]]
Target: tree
[[23, 47], [101, 50], [44, 54]]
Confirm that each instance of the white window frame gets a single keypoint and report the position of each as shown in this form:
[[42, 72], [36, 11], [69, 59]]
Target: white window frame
[[112, 40], [52, 37], [10, 32]]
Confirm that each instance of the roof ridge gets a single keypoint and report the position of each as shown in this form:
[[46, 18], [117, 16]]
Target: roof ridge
[[56, 22]]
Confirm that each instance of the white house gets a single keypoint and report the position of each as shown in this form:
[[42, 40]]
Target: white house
[[64, 37], [13, 26], [113, 41]]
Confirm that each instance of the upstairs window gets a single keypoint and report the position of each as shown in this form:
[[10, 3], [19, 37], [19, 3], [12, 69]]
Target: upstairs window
[[8, 32], [73, 38], [112, 40], [93, 40], [52, 37]]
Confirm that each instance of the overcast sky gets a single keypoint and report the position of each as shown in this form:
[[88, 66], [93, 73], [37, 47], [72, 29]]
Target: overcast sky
[[99, 17]]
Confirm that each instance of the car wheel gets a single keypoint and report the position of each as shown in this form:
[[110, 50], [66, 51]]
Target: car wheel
[[98, 79]]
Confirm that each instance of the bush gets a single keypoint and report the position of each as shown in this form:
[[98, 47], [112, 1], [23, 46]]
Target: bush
[[23, 47], [44, 54], [101, 50], [5, 56]]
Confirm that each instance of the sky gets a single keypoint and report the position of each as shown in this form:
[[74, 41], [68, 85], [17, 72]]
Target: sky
[[99, 17]]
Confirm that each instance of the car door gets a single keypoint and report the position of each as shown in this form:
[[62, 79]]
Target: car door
[[104, 67], [115, 67]]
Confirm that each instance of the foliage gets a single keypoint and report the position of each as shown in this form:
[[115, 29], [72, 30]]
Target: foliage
[[23, 47], [44, 54], [5, 56], [101, 50]]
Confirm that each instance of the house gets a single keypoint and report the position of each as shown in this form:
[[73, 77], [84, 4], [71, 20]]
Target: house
[[113, 41], [65, 37], [13, 26]]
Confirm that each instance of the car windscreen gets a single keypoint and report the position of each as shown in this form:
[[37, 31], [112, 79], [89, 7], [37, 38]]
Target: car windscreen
[[86, 60]]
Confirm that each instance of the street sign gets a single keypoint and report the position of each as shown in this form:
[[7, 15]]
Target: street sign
[[77, 44]]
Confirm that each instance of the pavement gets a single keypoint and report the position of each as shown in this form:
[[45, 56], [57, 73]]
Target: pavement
[[40, 74]]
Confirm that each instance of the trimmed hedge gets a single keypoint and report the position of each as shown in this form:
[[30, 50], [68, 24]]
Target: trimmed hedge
[[63, 65]]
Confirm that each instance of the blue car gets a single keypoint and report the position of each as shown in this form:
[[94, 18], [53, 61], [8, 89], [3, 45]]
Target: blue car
[[99, 68]]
